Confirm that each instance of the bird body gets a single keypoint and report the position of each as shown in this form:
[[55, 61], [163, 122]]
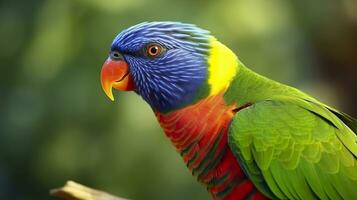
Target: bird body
[[242, 135]]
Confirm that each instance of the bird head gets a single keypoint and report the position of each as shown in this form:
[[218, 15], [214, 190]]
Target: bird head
[[169, 64]]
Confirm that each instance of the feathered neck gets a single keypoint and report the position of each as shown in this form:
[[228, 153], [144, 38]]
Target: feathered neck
[[221, 67]]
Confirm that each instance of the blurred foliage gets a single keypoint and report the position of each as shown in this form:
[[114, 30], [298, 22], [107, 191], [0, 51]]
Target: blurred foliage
[[56, 123]]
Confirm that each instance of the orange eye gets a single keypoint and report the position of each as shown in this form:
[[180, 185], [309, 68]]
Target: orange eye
[[154, 50]]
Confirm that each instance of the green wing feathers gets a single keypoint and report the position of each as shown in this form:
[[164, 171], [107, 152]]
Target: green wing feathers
[[348, 120], [294, 148]]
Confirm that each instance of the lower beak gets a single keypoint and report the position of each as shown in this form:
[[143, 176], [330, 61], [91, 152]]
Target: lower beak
[[116, 74]]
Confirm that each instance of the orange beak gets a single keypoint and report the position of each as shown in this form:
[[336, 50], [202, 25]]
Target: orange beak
[[116, 74]]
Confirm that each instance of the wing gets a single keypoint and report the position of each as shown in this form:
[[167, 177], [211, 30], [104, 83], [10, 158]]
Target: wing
[[296, 149], [348, 120]]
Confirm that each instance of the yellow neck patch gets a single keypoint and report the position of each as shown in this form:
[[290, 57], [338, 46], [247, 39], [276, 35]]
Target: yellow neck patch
[[222, 66]]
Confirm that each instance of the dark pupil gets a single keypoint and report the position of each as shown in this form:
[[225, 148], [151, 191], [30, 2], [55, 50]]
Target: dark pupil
[[154, 50]]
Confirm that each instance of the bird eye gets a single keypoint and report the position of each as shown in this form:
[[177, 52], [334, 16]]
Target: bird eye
[[153, 50], [115, 55]]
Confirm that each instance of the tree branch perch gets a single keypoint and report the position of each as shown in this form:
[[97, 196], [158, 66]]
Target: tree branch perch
[[75, 191]]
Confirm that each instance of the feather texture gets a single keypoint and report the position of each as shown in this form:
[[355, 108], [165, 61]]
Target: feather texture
[[199, 133], [290, 145]]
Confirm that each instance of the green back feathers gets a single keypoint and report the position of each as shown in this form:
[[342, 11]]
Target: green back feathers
[[289, 144], [293, 152], [348, 120]]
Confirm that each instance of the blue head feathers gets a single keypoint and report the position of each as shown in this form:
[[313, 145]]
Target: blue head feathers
[[176, 75]]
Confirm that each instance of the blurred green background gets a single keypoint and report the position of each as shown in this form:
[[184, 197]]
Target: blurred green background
[[56, 123]]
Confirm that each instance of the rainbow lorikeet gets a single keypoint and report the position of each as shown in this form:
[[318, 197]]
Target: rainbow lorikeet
[[242, 135]]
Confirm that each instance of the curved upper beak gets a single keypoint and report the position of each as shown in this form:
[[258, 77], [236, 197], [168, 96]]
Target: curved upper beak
[[116, 74]]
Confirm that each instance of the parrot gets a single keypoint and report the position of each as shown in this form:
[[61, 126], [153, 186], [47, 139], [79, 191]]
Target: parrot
[[241, 134]]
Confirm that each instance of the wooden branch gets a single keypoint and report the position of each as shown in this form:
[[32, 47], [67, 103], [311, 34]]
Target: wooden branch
[[75, 191]]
